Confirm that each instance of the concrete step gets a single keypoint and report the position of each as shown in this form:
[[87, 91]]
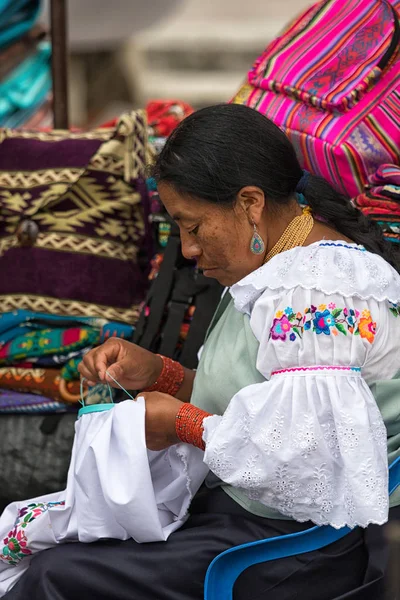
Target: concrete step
[[200, 62], [197, 88]]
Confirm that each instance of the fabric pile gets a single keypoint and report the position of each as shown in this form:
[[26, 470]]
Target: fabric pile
[[381, 201], [40, 354], [25, 66], [74, 249], [163, 117]]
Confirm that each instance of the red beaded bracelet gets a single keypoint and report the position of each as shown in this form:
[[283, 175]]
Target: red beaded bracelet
[[189, 425], [170, 378]]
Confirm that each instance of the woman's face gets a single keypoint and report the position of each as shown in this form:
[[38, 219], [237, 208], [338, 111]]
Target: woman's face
[[218, 238]]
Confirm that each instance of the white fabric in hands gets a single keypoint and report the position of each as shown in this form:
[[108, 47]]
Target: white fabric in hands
[[116, 489], [310, 442]]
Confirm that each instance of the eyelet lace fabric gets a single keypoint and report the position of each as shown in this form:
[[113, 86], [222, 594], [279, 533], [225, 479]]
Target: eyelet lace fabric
[[311, 459], [330, 267], [310, 441]]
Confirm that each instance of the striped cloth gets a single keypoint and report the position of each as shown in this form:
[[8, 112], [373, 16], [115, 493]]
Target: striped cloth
[[381, 201], [331, 81]]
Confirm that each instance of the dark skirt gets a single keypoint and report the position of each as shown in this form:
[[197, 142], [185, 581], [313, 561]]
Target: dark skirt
[[175, 570]]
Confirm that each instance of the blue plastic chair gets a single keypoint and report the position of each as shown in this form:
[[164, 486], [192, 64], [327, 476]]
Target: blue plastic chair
[[227, 566]]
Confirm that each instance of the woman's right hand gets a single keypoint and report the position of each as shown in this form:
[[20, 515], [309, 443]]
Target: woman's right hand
[[133, 367]]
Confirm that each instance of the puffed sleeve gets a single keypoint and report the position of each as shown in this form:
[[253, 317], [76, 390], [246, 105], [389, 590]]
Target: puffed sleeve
[[310, 441]]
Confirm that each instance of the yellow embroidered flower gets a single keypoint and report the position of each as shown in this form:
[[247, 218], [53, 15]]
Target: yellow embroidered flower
[[366, 314], [279, 314], [367, 328], [322, 307], [27, 345]]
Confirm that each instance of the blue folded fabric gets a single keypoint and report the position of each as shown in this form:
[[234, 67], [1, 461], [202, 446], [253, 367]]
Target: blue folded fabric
[[27, 86], [16, 18], [20, 322]]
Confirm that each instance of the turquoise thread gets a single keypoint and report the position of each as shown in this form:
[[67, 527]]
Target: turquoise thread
[[82, 399], [91, 408], [120, 386]]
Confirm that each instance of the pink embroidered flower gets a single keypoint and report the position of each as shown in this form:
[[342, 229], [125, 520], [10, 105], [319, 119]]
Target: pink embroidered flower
[[15, 547], [280, 327], [331, 305]]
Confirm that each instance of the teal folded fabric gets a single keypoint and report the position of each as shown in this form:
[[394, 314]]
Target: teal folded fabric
[[27, 86], [16, 18]]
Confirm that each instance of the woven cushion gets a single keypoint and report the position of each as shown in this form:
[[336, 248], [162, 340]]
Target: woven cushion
[[71, 220]]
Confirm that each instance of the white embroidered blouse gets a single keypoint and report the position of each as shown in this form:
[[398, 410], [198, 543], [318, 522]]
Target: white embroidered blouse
[[310, 441]]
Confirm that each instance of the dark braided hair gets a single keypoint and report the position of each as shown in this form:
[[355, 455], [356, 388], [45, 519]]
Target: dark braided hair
[[217, 151]]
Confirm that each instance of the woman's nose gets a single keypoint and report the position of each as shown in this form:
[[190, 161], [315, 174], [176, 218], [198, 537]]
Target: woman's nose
[[190, 248]]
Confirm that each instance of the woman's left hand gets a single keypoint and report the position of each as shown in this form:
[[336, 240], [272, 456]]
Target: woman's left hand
[[161, 411]]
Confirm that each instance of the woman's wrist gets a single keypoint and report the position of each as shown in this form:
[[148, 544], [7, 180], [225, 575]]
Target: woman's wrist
[[170, 376], [189, 425]]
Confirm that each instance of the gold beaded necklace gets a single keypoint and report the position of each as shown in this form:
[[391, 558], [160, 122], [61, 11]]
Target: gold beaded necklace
[[294, 235]]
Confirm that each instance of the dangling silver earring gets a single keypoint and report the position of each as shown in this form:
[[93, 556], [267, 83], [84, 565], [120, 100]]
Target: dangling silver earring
[[257, 245]]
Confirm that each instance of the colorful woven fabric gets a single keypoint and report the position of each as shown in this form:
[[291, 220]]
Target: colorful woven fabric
[[53, 361], [20, 322], [381, 201], [46, 382], [332, 82], [47, 341], [72, 222], [16, 402], [164, 116], [35, 340]]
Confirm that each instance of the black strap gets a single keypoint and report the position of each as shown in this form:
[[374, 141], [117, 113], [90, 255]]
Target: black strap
[[148, 327], [183, 290], [222, 306], [176, 287], [206, 302]]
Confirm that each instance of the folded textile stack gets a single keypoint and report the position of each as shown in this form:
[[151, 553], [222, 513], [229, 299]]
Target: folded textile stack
[[162, 116], [381, 201], [25, 66], [17, 402], [40, 353], [73, 237]]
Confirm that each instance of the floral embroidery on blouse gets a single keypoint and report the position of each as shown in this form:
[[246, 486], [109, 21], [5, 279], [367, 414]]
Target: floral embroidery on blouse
[[15, 546], [324, 319], [394, 309]]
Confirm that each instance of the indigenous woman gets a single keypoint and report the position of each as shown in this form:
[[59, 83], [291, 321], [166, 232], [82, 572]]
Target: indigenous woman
[[293, 402]]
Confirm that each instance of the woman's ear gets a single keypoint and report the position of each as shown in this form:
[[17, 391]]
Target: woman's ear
[[251, 200]]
